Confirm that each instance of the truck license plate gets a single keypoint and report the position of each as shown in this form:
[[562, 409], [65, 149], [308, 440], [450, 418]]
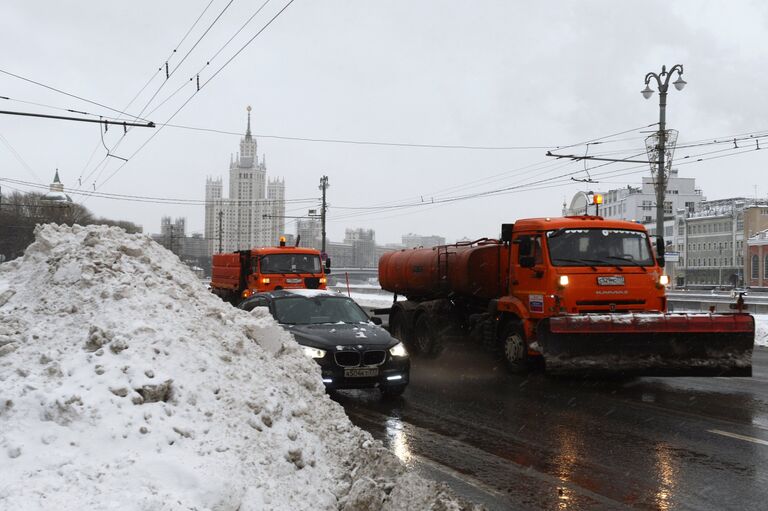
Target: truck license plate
[[610, 281], [361, 372]]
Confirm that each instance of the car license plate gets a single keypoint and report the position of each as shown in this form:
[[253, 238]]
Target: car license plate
[[610, 281], [361, 372]]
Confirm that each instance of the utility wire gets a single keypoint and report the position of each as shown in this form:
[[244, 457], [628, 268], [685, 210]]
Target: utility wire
[[208, 62], [142, 89], [247, 44], [19, 158], [71, 95], [201, 87], [159, 200], [210, 26]]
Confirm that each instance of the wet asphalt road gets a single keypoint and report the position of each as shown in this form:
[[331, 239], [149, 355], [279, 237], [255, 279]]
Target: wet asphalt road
[[517, 442]]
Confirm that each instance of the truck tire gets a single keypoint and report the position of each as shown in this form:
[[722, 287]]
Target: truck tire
[[514, 349], [425, 340], [398, 328]]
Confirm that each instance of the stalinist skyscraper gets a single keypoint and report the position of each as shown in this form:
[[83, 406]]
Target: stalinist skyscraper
[[254, 213]]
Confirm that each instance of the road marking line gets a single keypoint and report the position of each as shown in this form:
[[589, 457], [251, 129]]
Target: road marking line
[[739, 437], [468, 480]]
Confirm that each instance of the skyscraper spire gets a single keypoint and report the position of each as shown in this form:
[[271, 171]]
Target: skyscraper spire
[[248, 131]]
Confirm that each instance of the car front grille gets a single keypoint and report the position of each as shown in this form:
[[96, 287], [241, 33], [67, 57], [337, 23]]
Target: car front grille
[[373, 357], [351, 358], [347, 358]]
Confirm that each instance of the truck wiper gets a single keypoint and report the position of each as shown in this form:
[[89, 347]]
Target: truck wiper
[[586, 262], [555, 234], [627, 260]]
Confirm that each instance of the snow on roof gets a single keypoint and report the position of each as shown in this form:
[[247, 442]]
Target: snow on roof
[[125, 383], [311, 293]]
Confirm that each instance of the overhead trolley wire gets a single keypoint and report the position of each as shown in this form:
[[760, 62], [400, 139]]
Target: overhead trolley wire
[[201, 87], [71, 95]]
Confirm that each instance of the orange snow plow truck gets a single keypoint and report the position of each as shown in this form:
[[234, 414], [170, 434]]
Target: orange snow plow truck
[[236, 276], [576, 295]]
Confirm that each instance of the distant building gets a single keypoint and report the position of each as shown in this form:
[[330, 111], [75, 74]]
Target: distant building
[[714, 252], [416, 240], [639, 204], [192, 250], [341, 254], [254, 213], [757, 255], [363, 242], [56, 192], [309, 232]]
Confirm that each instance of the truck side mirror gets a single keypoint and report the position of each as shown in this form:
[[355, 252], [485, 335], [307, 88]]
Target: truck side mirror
[[506, 232], [525, 248], [660, 251], [327, 265]]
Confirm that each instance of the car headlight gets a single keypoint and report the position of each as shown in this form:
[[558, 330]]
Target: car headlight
[[664, 280], [398, 350], [313, 352]]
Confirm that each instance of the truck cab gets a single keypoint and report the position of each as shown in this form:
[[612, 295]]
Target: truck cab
[[581, 265], [238, 275]]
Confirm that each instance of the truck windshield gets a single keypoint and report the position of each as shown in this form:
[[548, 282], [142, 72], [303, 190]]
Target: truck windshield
[[599, 247], [291, 263]]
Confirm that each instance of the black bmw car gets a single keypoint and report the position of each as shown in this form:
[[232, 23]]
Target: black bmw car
[[352, 349]]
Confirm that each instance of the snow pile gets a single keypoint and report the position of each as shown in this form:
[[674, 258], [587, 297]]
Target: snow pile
[[124, 384], [761, 329]]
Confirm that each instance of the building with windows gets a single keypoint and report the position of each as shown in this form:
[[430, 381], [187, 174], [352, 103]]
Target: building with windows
[[714, 252], [757, 257], [310, 233], [253, 215], [638, 204], [416, 240], [363, 243]]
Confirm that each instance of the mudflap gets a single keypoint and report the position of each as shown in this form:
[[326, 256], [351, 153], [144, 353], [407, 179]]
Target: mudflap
[[648, 344]]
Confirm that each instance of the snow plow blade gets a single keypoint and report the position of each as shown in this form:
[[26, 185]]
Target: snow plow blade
[[648, 344]]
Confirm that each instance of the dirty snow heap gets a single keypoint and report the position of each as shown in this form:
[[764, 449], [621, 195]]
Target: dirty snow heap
[[125, 384]]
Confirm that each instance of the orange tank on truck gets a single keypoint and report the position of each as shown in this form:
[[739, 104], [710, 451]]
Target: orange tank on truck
[[571, 295], [237, 275]]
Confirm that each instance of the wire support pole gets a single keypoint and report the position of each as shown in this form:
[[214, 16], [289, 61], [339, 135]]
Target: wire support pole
[[80, 119], [323, 187]]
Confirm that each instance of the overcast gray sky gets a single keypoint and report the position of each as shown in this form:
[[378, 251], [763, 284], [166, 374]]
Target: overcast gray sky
[[498, 74]]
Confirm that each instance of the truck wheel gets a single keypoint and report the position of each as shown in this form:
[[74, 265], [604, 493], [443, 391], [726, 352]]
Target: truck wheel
[[399, 330], [514, 349], [425, 339]]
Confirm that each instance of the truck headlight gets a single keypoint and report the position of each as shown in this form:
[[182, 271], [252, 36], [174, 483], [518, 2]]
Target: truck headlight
[[265, 280], [664, 280], [313, 352], [563, 280], [398, 350]]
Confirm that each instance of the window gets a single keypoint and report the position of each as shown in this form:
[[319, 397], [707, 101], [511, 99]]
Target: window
[[755, 267], [534, 251], [765, 266]]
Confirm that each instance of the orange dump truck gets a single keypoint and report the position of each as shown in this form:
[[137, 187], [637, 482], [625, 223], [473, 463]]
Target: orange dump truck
[[575, 294], [237, 275]]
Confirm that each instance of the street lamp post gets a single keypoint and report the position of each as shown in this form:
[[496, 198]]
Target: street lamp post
[[662, 80]]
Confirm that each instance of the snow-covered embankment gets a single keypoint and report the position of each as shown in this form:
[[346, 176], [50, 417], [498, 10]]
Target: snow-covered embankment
[[124, 384]]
